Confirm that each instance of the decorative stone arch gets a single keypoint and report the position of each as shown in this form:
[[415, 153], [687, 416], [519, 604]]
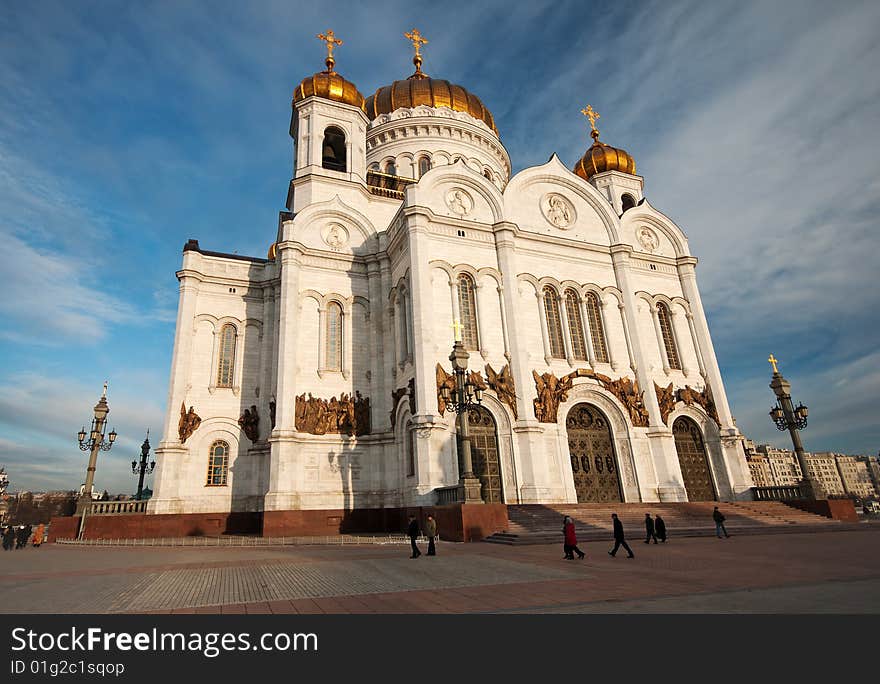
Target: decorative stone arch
[[506, 456], [644, 213], [338, 211], [722, 478], [620, 433], [217, 325], [209, 431], [468, 178], [402, 419], [556, 173]]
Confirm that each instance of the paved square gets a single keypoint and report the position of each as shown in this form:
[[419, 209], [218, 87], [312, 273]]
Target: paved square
[[810, 573]]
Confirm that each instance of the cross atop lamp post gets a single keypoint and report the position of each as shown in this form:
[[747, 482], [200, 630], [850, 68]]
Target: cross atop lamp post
[[787, 417], [465, 396], [96, 442]]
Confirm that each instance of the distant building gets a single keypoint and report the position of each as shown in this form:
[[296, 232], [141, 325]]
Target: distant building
[[823, 468], [854, 475], [783, 464], [759, 465], [872, 465]]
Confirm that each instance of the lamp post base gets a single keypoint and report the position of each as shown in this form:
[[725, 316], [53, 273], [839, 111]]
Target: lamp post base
[[468, 491], [82, 503]]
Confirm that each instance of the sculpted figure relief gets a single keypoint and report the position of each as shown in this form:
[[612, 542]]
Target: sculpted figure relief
[[648, 239], [444, 379], [503, 386], [250, 423], [189, 422], [666, 399], [552, 391], [459, 202], [346, 416], [557, 211], [626, 390], [703, 398]]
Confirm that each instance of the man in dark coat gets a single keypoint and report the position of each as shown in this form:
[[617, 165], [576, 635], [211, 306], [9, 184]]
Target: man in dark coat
[[431, 531], [649, 529], [619, 538], [660, 528], [413, 533], [718, 517], [8, 538]]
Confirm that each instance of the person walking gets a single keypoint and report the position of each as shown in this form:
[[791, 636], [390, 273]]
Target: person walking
[[8, 538], [571, 542], [38, 535], [21, 537], [431, 530], [660, 528], [413, 532], [619, 539], [649, 529], [719, 519]]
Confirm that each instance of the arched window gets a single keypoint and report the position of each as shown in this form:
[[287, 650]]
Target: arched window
[[374, 166], [333, 345], [410, 450], [597, 330], [424, 165], [226, 357], [575, 325], [668, 338], [488, 174], [333, 149], [467, 309], [627, 201], [554, 323], [391, 168], [218, 464]]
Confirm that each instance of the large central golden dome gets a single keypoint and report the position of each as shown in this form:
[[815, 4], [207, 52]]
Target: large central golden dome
[[420, 89]]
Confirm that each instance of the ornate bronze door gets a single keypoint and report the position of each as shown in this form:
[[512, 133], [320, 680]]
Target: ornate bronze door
[[693, 460], [592, 455], [484, 454]]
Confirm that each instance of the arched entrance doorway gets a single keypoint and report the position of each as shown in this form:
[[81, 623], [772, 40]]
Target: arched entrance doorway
[[591, 449], [484, 454], [693, 460]]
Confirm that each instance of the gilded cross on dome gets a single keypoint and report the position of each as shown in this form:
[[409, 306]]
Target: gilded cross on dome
[[332, 41], [592, 115], [417, 40], [773, 361]]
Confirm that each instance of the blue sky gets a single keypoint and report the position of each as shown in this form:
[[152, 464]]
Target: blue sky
[[127, 128]]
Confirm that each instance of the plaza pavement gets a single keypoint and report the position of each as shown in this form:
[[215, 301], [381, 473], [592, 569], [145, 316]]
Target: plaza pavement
[[791, 573]]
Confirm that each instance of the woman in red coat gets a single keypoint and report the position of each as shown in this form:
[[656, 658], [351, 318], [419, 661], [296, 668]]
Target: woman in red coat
[[571, 541]]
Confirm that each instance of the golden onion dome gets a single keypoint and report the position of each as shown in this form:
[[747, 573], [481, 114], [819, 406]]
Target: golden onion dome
[[329, 84], [601, 157], [421, 89]]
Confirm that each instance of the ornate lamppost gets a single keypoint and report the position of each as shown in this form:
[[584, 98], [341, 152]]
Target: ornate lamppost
[[96, 442], [465, 396], [143, 468], [791, 418]]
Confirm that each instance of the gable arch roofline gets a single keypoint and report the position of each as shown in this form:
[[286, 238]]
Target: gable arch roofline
[[558, 174], [645, 213], [335, 209], [459, 173]]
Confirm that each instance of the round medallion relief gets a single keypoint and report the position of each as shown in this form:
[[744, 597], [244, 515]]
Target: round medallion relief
[[557, 210], [335, 236], [647, 238], [459, 202]]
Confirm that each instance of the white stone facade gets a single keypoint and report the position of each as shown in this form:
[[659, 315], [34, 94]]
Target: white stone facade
[[392, 265]]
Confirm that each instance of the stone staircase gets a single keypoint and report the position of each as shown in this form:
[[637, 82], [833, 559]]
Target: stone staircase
[[542, 523]]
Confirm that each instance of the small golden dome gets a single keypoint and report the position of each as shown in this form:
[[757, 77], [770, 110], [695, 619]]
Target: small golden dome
[[601, 157], [328, 84], [420, 89], [331, 86], [273, 250]]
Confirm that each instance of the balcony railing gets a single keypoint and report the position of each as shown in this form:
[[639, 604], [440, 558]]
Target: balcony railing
[[780, 493], [386, 185], [448, 495], [117, 507]]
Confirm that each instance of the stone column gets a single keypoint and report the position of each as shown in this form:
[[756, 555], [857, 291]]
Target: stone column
[[182, 353], [266, 344], [378, 396], [420, 308], [545, 334]]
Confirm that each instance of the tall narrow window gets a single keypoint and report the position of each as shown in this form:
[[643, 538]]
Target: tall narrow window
[[391, 168], [467, 309], [333, 347], [226, 357], [424, 166], [668, 338], [575, 325], [554, 323], [410, 451], [333, 149], [218, 464], [597, 330]]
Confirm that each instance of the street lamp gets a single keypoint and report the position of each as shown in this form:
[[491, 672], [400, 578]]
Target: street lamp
[[788, 417], [465, 396], [143, 468], [96, 442]]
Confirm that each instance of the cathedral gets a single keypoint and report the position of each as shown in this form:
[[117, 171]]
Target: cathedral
[[319, 378]]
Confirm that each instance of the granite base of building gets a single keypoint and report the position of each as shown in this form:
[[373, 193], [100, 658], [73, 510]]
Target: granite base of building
[[455, 522], [837, 509]]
